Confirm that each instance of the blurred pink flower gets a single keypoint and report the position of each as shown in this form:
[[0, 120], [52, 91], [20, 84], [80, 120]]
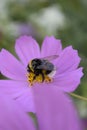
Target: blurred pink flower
[[27, 29], [84, 123], [12, 117], [54, 111]]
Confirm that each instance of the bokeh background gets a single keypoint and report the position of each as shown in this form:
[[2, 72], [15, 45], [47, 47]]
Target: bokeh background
[[65, 19]]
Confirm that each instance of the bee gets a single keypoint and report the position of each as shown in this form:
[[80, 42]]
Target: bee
[[41, 67]]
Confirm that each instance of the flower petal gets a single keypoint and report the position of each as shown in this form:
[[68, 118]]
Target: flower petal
[[12, 117], [51, 46], [27, 49], [11, 67], [26, 101], [68, 60], [68, 81], [54, 110], [20, 92]]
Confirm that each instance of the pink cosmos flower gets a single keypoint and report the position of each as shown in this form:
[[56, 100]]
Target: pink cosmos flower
[[44, 98], [67, 76]]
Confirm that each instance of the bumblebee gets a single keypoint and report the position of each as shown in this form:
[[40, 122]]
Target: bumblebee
[[41, 70]]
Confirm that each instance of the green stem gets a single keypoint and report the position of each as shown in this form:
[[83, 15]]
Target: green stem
[[78, 96]]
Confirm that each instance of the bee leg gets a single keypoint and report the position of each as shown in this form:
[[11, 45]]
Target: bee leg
[[42, 77], [34, 77]]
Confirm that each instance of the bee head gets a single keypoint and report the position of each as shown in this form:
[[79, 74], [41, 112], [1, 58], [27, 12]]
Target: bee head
[[35, 63]]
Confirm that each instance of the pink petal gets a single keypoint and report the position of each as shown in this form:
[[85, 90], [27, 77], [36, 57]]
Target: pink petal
[[11, 67], [27, 49], [20, 92], [26, 101], [54, 110], [51, 46], [12, 116], [68, 81], [68, 60]]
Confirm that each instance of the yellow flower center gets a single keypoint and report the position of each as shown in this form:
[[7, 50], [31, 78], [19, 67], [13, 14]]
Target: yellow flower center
[[32, 78]]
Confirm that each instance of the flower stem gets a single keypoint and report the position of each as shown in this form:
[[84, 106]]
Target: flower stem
[[78, 96]]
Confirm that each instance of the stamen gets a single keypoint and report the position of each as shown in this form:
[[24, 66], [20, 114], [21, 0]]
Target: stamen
[[32, 78], [48, 79]]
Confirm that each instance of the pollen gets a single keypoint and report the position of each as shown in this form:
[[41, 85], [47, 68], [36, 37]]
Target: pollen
[[32, 78]]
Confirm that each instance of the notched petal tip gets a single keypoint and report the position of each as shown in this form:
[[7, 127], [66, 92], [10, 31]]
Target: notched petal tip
[[51, 46], [69, 81], [74, 51], [68, 60], [24, 37], [77, 81], [54, 39]]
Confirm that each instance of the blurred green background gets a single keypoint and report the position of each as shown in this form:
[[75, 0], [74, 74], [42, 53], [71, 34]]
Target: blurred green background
[[65, 19]]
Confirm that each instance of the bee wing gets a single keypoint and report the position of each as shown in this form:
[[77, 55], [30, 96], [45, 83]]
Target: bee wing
[[43, 67], [46, 68], [50, 58]]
